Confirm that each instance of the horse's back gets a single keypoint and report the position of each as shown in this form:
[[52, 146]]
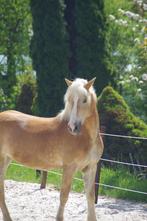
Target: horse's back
[[26, 122], [12, 115]]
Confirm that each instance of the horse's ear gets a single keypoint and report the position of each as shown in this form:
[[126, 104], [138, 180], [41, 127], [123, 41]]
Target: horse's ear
[[90, 83], [68, 82]]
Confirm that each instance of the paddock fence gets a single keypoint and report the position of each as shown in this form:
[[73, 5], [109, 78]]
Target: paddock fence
[[97, 179]]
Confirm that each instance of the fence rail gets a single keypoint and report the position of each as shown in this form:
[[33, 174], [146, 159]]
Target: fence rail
[[123, 136], [102, 184], [124, 163]]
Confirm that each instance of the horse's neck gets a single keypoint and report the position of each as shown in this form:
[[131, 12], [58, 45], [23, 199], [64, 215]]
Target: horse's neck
[[92, 123]]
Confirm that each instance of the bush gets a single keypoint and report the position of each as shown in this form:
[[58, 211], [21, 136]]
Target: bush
[[26, 88], [25, 99], [117, 118], [23, 94]]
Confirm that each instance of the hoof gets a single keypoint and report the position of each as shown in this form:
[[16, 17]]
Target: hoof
[[59, 219]]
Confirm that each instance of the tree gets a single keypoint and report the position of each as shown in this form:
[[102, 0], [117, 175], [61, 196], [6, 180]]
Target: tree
[[87, 33], [15, 22], [49, 50], [127, 36], [70, 18]]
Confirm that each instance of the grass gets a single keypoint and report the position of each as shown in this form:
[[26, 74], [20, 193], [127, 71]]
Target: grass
[[123, 178], [120, 177], [24, 174]]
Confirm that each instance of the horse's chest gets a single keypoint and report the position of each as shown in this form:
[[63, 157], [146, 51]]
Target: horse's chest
[[90, 157]]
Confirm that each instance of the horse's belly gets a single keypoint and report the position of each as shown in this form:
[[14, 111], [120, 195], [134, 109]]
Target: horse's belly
[[33, 155], [36, 161]]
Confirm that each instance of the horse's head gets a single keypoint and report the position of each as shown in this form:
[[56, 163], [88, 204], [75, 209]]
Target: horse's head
[[78, 101]]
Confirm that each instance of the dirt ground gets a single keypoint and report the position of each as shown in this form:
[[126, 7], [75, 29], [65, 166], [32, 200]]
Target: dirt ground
[[26, 202]]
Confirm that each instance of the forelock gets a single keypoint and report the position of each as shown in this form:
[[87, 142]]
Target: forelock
[[79, 81], [78, 87]]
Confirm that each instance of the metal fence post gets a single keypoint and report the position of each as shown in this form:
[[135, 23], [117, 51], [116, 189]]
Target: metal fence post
[[98, 171], [97, 181], [43, 179]]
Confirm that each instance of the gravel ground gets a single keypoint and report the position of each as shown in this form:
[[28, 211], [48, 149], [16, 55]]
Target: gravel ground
[[27, 203]]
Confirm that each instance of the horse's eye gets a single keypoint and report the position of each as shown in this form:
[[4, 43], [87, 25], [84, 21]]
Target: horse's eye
[[85, 101]]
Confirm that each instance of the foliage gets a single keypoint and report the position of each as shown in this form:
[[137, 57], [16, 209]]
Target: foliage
[[15, 24], [70, 18], [49, 49], [91, 43], [3, 100], [117, 118], [65, 41], [134, 90], [23, 94], [127, 37], [27, 93]]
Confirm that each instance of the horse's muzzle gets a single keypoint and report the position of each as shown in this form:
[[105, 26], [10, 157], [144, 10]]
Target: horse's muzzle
[[75, 130]]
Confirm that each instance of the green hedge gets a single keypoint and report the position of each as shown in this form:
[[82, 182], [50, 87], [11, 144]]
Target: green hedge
[[117, 118]]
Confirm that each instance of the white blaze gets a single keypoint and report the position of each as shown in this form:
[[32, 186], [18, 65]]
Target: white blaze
[[73, 115]]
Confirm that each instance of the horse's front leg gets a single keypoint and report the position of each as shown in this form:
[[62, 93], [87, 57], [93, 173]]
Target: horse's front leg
[[65, 188], [89, 180], [3, 166]]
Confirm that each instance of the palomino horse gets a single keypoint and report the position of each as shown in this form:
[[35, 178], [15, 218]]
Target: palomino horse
[[70, 141]]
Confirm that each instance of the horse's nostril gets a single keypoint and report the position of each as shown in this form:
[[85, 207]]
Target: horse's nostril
[[77, 128]]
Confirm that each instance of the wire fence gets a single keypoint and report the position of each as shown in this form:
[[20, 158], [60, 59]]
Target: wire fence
[[81, 180], [112, 161], [124, 163], [123, 136]]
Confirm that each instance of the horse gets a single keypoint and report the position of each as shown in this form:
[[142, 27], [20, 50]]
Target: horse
[[70, 140]]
